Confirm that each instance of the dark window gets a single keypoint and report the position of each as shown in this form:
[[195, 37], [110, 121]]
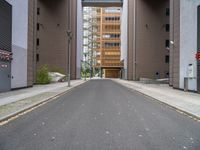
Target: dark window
[[167, 43], [37, 57], [167, 11], [38, 26], [38, 42], [167, 27], [38, 11], [166, 74], [167, 59]]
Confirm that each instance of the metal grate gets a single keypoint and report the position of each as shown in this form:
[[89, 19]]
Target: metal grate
[[5, 26]]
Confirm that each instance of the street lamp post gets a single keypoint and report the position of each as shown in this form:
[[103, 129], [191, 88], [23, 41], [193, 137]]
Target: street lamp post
[[69, 35], [85, 64]]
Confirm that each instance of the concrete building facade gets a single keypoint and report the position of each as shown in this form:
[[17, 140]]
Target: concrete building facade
[[102, 28], [22, 44], [147, 53], [159, 39], [52, 20], [185, 44], [110, 41]]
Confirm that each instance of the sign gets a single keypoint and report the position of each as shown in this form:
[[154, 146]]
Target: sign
[[198, 56], [5, 55]]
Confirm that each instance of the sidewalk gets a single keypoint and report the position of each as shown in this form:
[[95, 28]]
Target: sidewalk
[[14, 102], [184, 101]]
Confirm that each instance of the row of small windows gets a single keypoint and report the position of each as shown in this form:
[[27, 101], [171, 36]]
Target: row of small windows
[[112, 53], [112, 18], [107, 36], [112, 61], [112, 44], [111, 10], [38, 41], [112, 27], [167, 42]]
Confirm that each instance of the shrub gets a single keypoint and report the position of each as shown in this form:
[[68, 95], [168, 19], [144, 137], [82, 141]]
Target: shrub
[[43, 75]]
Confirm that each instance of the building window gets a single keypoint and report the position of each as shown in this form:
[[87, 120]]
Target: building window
[[38, 42], [38, 11], [37, 57], [167, 59], [166, 74], [167, 11], [167, 27], [167, 44], [38, 26]]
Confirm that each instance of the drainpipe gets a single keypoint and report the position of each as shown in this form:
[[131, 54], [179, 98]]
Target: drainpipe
[[134, 40]]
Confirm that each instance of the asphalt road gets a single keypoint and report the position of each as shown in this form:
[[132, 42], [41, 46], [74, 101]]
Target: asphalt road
[[101, 115]]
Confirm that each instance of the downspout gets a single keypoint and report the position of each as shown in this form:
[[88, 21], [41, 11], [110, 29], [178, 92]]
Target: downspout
[[134, 40]]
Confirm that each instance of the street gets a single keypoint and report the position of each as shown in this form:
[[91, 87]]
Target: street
[[101, 115]]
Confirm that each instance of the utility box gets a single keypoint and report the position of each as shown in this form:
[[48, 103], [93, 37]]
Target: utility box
[[190, 71]]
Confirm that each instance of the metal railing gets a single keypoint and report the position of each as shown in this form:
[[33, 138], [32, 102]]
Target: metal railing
[[102, 2]]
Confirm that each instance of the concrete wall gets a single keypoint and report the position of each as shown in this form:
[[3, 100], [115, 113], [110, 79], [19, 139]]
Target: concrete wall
[[131, 55], [146, 39], [175, 43], [124, 37], [19, 42], [79, 56], [52, 20], [31, 64], [150, 39], [188, 40], [53, 40]]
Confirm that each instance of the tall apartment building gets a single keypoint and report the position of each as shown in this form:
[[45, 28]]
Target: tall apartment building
[[102, 40], [53, 19], [110, 42], [145, 39]]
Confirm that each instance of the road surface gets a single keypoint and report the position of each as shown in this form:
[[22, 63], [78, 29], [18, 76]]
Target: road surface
[[101, 115]]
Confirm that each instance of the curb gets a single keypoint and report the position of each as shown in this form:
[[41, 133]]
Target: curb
[[188, 114], [32, 107]]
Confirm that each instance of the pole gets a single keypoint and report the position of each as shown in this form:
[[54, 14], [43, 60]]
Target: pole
[[69, 35], [69, 58], [85, 66]]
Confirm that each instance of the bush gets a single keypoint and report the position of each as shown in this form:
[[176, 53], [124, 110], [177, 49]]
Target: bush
[[43, 75]]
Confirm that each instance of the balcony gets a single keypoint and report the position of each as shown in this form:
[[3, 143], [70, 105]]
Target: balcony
[[103, 3]]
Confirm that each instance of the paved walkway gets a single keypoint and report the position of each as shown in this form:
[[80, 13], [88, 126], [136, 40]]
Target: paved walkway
[[13, 96], [185, 101], [16, 101]]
